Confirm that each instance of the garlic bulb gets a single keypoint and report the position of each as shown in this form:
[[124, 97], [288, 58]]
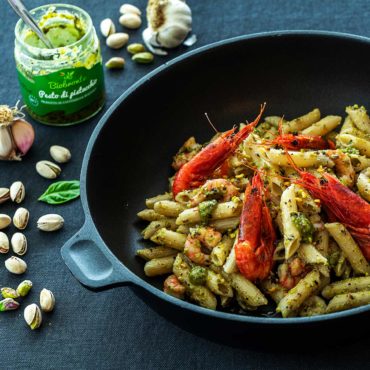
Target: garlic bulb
[[169, 22], [16, 135]]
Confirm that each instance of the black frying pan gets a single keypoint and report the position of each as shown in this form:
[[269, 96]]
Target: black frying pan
[[129, 154]]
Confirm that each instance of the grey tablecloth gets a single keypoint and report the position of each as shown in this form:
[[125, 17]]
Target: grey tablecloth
[[114, 329]]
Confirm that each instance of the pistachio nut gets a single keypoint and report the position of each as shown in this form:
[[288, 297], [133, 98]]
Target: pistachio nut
[[4, 243], [24, 287], [8, 304], [128, 8], [130, 20], [16, 265], [19, 244], [60, 154], [117, 40], [143, 58], [135, 48], [20, 218], [115, 63], [5, 221], [48, 169], [17, 192], [32, 315], [9, 293], [50, 222], [4, 195], [107, 27], [47, 300]]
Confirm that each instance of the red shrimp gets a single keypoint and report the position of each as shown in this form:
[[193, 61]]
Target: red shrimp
[[195, 172], [255, 246], [340, 203], [297, 142]]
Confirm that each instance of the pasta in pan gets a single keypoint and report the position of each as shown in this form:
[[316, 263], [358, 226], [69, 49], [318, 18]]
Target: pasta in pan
[[277, 211]]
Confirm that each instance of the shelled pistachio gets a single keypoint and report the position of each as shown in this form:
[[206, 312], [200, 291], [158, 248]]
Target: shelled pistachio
[[135, 48], [115, 63], [9, 293], [107, 27], [117, 40], [24, 287], [8, 304]]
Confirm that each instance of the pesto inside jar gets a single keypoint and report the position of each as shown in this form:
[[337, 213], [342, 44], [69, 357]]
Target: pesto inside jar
[[63, 85]]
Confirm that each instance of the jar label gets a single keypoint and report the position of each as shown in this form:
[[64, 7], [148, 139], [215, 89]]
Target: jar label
[[66, 91]]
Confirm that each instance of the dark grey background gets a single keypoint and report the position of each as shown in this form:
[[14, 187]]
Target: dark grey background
[[114, 329]]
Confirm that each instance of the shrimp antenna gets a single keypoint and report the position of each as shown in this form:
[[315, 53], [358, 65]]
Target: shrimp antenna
[[280, 125], [210, 122]]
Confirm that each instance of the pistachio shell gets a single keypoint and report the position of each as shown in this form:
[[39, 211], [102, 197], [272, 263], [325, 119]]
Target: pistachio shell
[[115, 63], [107, 27], [16, 265], [24, 287], [130, 20], [17, 192], [5, 221], [47, 300], [4, 195], [9, 293], [19, 244], [32, 315], [8, 304], [128, 8], [4, 243], [117, 40], [143, 58], [60, 154], [20, 218], [50, 222], [135, 48], [48, 169]]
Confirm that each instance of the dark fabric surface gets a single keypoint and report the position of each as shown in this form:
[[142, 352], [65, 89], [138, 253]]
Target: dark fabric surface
[[115, 329]]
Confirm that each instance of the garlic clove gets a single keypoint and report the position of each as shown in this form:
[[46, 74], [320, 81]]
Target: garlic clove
[[170, 22], [149, 40], [128, 8], [23, 135], [7, 150]]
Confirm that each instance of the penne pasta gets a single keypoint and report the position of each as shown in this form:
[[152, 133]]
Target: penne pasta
[[322, 127], [296, 296], [351, 285], [363, 145], [159, 266], [150, 215], [359, 117], [288, 206], [309, 254], [221, 251], [349, 247], [225, 224], [217, 284], [155, 252], [151, 201], [313, 306], [154, 226], [168, 238], [168, 208], [346, 301], [300, 123]]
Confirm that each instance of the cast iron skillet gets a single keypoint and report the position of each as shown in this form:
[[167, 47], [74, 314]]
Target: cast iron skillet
[[129, 154]]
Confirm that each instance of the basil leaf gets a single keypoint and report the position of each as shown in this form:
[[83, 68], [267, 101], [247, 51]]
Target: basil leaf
[[61, 192]]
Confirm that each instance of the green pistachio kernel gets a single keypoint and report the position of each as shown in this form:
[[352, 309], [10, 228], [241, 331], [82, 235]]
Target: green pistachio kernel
[[143, 58]]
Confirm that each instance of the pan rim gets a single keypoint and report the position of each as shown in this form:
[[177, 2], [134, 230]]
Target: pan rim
[[136, 280]]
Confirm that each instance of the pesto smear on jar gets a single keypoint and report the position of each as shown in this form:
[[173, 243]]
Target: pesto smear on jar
[[63, 85]]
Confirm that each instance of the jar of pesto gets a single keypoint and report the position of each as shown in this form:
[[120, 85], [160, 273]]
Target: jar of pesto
[[64, 85]]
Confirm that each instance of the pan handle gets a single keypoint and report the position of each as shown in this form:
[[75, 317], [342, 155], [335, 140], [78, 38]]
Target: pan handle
[[91, 262]]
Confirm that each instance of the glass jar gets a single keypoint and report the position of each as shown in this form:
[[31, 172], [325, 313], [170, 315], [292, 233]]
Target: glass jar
[[65, 85]]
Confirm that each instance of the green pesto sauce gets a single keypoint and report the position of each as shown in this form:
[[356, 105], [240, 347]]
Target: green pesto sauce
[[61, 30], [206, 208], [304, 226], [351, 150], [198, 275]]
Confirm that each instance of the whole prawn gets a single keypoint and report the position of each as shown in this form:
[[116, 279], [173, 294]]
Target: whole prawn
[[255, 246], [297, 142], [340, 203], [195, 172]]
